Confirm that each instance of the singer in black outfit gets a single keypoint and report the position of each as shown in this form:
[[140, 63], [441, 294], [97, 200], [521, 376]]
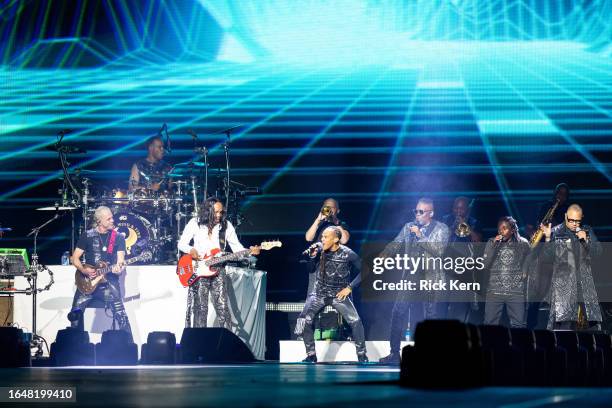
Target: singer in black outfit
[[314, 233], [572, 247], [150, 172], [505, 257], [332, 287]]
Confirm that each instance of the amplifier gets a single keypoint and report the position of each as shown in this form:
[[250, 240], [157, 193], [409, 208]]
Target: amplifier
[[6, 303], [13, 262]]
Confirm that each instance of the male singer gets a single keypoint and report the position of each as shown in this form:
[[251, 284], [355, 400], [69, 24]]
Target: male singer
[[573, 297], [423, 236]]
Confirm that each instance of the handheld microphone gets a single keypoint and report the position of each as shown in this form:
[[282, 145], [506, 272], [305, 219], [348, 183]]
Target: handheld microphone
[[578, 229], [168, 146], [312, 250]]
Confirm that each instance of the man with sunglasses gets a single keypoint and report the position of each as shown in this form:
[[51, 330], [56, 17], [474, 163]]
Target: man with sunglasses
[[422, 237], [573, 297]]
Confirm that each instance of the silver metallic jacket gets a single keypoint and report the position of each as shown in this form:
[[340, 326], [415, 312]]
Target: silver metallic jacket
[[572, 278], [431, 245]]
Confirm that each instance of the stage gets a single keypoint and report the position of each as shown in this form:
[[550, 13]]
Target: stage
[[280, 385], [154, 300]]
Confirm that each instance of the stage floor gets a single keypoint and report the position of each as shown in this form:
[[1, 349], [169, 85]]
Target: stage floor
[[273, 384]]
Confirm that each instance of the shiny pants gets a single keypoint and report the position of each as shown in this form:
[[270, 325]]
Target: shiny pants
[[346, 308], [197, 301], [107, 293]]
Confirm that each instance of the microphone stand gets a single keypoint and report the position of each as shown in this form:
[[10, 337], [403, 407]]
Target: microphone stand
[[35, 267]]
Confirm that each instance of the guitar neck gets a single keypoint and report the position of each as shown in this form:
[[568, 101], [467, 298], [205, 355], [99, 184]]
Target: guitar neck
[[107, 269], [228, 257]]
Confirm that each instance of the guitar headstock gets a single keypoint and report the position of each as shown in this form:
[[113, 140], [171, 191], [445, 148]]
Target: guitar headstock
[[266, 245]]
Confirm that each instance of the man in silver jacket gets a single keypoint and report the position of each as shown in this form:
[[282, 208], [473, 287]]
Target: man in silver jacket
[[573, 297], [422, 237]]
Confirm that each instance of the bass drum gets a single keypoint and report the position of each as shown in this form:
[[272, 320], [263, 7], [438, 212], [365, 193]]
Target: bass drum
[[138, 232]]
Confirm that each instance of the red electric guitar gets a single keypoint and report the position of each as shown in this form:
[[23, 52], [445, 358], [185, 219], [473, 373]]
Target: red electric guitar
[[189, 270]]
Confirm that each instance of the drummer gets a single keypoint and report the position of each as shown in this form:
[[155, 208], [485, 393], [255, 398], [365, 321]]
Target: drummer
[[150, 172]]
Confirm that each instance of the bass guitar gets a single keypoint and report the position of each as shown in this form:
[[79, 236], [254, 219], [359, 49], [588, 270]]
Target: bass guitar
[[189, 270]]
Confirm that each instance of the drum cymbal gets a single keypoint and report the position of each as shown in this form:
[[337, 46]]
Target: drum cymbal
[[5, 229], [189, 164], [83, 171], [177, 175], [56, 208]]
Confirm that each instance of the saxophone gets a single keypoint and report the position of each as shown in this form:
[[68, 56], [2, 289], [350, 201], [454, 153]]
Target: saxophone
[[537, 237]]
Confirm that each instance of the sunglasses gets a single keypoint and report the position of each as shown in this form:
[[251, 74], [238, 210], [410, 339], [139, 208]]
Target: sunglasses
[[420, 212], [574, 221]]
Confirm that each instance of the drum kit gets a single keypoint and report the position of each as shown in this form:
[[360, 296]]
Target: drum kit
[[150, 219]]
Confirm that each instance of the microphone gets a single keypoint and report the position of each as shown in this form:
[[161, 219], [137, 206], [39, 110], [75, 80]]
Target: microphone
[[498, 243], [65, 132], [167, 146], [65, 148], [578, 229], [413, 236], [312, 250]]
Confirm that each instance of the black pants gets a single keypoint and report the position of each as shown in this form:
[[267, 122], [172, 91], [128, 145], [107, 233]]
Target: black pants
[[198, 296], [460, 311], [416, 312], [108, 293], [514, 305], [346, 308]]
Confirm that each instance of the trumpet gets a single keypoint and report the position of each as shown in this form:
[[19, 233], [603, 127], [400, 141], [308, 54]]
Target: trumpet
[[326, 210], [463, 230]]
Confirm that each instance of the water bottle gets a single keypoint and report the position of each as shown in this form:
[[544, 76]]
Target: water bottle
[[66, 258], [407, 333]]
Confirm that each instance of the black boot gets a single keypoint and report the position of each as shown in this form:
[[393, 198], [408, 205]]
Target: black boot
[[310, 358], [362, 358], [391, 359]]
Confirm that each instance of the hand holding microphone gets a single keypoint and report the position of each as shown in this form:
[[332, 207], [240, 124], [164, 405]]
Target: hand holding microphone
[[416, 231], [581, 234], [313, 250]]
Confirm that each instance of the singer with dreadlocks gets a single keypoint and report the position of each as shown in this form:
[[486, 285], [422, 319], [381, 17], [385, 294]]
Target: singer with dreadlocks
[[211, 230], [332, 287], [505, 256]]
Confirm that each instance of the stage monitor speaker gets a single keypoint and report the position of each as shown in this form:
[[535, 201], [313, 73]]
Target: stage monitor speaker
[[116, 348], [160, 348], [213, 345], [14, 348], [72, 347]]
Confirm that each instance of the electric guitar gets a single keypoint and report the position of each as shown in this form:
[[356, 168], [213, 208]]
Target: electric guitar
[[87, 285], [189, 270]]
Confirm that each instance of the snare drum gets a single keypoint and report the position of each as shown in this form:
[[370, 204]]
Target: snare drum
[[138, 232]]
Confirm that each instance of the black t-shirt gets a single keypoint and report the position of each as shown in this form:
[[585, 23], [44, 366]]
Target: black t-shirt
[[93, 243], [151, 173], [324, 224]]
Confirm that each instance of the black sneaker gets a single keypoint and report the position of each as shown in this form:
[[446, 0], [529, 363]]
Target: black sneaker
[[362, 358], [391, 359], [310, 358]]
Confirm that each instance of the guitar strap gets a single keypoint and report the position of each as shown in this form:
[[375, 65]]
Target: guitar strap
[[222, 242], [111, 242]]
